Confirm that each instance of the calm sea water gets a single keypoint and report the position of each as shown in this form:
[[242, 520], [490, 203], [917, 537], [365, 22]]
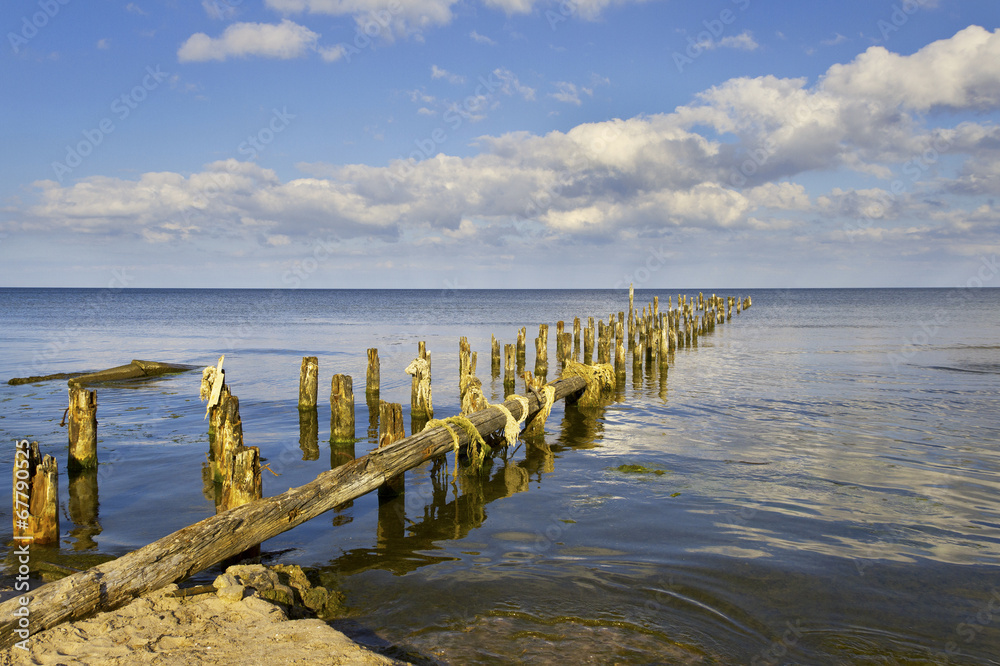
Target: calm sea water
[[829, 491]]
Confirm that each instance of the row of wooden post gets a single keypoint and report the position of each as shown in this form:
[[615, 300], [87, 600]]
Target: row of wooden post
[[650, 335]]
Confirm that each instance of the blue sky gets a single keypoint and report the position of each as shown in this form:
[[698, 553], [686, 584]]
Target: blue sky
[[492, 143]]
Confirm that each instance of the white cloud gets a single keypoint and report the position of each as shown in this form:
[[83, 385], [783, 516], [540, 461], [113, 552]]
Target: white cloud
[[960, 72], [481, 39], [734, 159], [104, 44], [743, 42], [569, 93], [439, 73], [511, 85], [376, 17], [284, 41]]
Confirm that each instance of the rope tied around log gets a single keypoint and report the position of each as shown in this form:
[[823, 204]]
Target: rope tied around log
[[599, 378], [478, 448], [512, 428]]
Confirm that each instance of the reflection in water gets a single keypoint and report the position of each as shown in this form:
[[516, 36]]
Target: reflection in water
[[341, 453], [83, 506], [309, 433]]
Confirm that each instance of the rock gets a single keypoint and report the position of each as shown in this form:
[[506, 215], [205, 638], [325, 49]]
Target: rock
[[232, 593]]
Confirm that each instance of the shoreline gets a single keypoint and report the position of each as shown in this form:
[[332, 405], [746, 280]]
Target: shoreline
[[233, 626]]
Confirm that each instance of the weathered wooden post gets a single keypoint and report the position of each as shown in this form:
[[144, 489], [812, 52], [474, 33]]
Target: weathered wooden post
[[35, 495], [620, 360], [421, 402], [494, 357], [541, 357], [521, 352], [390, 430], [509, 369], [372, 377], [82, 428], [588, 345], [308, 382], [341, 409], [576, 338], [239, 466], [567, 348]]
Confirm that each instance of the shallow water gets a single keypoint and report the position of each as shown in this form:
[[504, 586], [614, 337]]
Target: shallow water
[[829, 466]]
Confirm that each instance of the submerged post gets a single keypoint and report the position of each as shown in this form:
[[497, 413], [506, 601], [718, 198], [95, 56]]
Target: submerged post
[[35, 495], [341, 409], [82, 428], [308, 382]]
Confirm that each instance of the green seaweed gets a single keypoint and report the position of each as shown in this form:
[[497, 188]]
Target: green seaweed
[[638, 469]]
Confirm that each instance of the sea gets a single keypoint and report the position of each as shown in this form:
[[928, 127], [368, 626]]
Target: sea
[[816, 481]]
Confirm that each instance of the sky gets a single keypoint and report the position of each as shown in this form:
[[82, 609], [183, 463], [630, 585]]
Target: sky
[[499, 143]]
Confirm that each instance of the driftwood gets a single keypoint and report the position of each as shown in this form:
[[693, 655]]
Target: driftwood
[[134, 370], [196, 547]]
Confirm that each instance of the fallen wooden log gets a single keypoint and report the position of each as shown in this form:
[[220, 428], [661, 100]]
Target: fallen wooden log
[[135, 370], [196, 547]]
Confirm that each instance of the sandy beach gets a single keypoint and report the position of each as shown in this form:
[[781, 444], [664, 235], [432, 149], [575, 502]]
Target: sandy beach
[[232, 626]]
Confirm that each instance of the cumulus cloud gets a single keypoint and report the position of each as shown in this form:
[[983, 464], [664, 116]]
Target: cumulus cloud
[[732, 160], [956, 73], [284, 41]]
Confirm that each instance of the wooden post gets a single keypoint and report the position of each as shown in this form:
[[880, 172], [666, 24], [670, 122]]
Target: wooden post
[[372, 383], [421, 402], [576, 338], [35, 495], [341, 409], [541, 357], [567, 348], [509, 369], [179, 555], [229, 438], [620, 359], [82, 428], [308, 382], [521, 353], [390, 430], [494, 357], [588, 345]]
